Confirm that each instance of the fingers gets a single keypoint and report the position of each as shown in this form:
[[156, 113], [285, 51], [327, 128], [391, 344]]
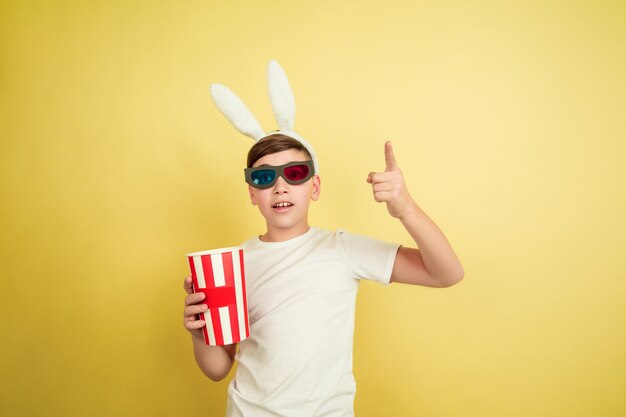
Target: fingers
[[187, 285], [192, 310], [191, 323], [379, 177], [386, 191], [194, 298], [194, 325], [390, 158], [383, 196], [391, 167], [385, 186]]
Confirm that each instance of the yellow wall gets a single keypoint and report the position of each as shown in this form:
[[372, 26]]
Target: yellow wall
[[508, 121]]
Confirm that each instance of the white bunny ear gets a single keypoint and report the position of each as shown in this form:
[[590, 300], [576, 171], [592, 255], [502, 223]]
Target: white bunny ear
[[236, 111], [281, 96]]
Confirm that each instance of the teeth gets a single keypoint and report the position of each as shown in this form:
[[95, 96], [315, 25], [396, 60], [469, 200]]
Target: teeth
[[282, 205]]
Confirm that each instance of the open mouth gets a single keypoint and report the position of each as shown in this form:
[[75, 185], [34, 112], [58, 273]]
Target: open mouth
[[283, 205]]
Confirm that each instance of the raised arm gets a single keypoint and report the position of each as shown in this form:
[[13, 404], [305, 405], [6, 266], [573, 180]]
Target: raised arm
[[434, 263]]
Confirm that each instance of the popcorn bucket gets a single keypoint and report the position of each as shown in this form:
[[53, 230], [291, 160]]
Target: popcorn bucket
[[219, 274]]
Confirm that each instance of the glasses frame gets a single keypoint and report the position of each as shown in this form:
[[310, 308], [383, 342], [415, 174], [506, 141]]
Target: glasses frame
[[280, 172]]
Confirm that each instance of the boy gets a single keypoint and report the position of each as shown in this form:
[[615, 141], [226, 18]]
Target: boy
[[302, 287]]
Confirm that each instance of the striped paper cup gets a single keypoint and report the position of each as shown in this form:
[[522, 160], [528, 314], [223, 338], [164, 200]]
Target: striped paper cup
[[219, 274]]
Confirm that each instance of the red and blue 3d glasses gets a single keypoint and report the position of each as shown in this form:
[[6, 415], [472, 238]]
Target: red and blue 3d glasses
[[265, 176]]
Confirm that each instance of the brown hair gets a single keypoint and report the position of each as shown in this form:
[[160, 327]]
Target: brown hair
[[274, 143]]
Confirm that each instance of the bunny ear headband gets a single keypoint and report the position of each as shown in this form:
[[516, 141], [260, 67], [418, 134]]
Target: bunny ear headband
[[283, 106]]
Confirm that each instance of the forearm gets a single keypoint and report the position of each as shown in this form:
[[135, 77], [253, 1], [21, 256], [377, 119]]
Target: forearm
[[214, 361], [437, 253]]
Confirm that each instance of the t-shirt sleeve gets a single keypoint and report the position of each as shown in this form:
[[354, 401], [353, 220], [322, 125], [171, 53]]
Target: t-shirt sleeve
[[367, 258]]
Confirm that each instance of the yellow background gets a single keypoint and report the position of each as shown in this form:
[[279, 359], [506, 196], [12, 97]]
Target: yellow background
[[507, 118]]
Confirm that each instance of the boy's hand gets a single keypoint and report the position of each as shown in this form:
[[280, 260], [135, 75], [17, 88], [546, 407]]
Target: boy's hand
[[389, 186], [192, 308]]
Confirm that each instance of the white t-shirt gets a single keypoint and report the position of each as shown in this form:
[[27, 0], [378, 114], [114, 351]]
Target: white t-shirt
[[301, 300]]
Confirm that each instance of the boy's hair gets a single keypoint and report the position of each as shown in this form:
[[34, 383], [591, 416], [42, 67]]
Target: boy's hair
[[272, 144]]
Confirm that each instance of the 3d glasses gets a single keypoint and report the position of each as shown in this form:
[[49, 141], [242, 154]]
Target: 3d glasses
[[293, 173]]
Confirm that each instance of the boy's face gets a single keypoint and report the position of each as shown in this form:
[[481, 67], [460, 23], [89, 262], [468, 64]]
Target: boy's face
[[298, 196]]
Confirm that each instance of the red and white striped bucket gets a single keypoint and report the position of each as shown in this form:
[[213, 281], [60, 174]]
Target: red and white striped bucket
[[220, 275]]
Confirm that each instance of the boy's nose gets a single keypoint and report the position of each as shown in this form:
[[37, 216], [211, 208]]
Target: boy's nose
[[280, 186]]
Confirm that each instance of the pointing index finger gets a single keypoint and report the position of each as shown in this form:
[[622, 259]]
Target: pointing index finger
[[390, 159]]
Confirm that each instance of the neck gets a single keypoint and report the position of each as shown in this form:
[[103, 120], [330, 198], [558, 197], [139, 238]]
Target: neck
[[280, 235]]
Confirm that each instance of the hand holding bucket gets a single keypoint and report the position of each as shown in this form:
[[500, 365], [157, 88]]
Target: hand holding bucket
[[220, 275]]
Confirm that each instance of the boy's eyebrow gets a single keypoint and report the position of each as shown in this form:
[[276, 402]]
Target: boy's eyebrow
[[268, 165]]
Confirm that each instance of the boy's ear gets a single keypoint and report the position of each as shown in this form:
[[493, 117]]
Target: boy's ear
[[252, 196], [317, 188]]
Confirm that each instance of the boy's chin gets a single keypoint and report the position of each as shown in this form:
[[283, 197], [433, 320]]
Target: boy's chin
[[284, 222]]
